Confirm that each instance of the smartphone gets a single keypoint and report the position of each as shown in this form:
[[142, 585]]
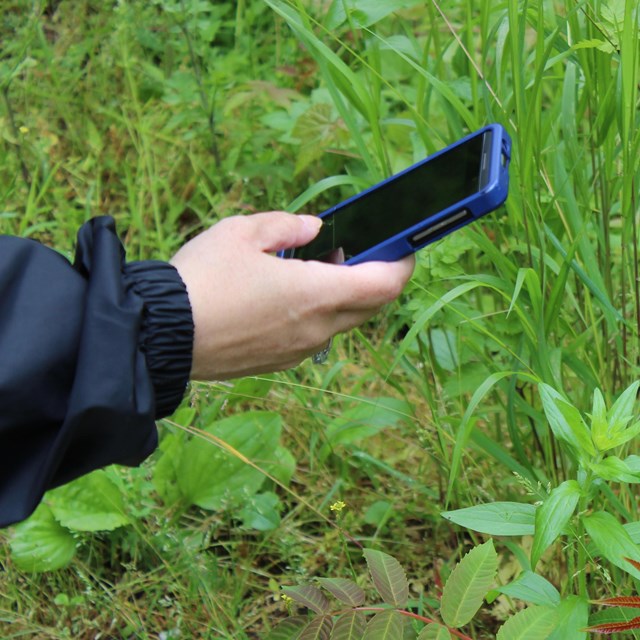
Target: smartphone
[[417, 206]]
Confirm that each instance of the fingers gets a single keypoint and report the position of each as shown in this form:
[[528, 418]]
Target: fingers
[[277, 230], [364, 286]]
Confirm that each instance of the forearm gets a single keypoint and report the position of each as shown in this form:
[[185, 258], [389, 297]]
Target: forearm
[[90, 356]]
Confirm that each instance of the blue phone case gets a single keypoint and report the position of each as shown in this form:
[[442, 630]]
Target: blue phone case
[[436, 226]]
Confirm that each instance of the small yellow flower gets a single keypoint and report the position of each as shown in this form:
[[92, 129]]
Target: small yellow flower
[[338, 506], [24, 130], [286, 599]]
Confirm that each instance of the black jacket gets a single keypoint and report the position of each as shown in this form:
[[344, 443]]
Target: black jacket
[[90, 356]]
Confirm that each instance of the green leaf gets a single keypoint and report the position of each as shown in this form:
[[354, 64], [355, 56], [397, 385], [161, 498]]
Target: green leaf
[[565, 420], [552, 517], [388, 577], [468, 584], [90, 503], [363, 13], [599, 422], [612, 541], [40, 543], [572, 617], [318, 629], [310, 597], [534, 623], [386, 625], [621, 413], [212, 477], [288, 629], [532, 588], [613, 469], [435, 631], [262, 512], [496, 518], [345, 591], [363, 421], [349, 626]]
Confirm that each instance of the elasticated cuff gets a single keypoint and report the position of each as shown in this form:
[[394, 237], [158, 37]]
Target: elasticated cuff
[[166, 336]]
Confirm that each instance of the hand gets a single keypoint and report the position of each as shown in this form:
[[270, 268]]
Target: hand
[[254, 312]]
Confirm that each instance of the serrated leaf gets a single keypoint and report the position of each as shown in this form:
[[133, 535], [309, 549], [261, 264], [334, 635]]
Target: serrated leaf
[[435, 631], [289, 628], [318, 629], [345, 591], [349, 626], [496, 518], [612, 541], [615, 627], [552, 517], [386, 625], [40, 543], [90, 503], [620, 601], [309, 596], [211, 477], [388, 577], [534, 623], [468, 584]]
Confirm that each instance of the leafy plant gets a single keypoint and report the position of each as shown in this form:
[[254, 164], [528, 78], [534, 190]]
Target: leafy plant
[[462, 597], [576, 508]]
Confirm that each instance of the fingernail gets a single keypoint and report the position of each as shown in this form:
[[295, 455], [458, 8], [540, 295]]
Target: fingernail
[[312, 222]]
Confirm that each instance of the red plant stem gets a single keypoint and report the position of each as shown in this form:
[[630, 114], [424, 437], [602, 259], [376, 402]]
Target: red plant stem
[[416, 616]]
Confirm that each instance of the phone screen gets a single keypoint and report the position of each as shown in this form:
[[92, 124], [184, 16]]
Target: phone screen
[[401, 203]]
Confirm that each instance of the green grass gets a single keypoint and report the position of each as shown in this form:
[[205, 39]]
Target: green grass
[[171, 115]]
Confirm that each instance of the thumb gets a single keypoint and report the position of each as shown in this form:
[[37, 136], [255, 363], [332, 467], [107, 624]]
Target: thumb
[[278, 230]]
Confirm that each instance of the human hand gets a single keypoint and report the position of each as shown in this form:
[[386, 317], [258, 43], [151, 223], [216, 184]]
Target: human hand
[[254, 312]]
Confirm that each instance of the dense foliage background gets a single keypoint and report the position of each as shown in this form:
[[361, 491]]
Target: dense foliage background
[[490, 385]]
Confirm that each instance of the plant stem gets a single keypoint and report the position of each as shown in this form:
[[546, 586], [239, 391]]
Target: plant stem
[[416, 616]]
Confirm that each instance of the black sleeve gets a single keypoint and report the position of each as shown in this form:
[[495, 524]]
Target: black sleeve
[[90, 356]]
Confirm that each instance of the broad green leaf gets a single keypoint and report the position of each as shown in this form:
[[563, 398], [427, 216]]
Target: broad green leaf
[[165, 470], [318, 629], [386, 625], [282, 466], [363, 421], [612, 541], [435, 631], [613, 469], [565, 420], [599, 423], [532, 588], [388, 577], [262, 512], [289, 628], [212, 477], [363, 13], [40, 543], [496, 518], [621, 413], [349, 626], [552, 517], [572, 618], [345, 591], [534, 623], [468, 584], [90, 503], [309, 596]]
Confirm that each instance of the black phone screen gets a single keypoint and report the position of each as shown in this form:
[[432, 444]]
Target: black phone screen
[[400, 203]]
